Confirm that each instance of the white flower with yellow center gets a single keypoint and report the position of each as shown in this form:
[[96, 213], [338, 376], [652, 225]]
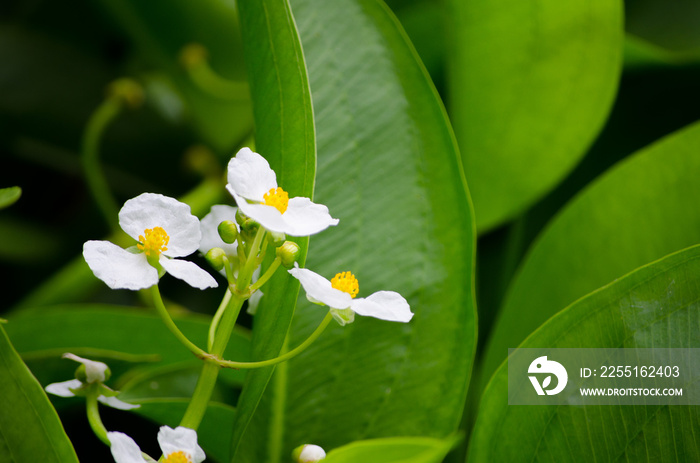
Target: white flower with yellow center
[[164, 228], [340, 295], [178, 445], [94, 372], [251, 179]]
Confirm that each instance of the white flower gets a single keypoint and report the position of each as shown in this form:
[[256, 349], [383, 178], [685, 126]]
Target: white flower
[[308, 453], [178, 445], [339, 294], [165, 229], [251, 179], [94, 372]]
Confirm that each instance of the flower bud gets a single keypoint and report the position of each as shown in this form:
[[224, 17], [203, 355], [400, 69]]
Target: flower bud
[[241, 217], [228, 231], [193, 55], [308, 453], [128, 91], [82, 374], [215, 257], [288, 253], [249, 228]]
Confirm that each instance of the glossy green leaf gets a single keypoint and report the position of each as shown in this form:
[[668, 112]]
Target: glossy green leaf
[[285, 135], [654, 306], [531, 84], [8, 196], [389, 170], [211, 434], [159, 29], [393, 450], [30, 430], [42, 335], [638, 211]]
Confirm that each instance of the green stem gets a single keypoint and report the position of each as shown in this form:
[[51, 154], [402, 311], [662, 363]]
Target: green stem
[[217, 318], [292, 353], [165, 316], [93, 414], [266, 276], [208, 80], [210, 371], [96, 181]]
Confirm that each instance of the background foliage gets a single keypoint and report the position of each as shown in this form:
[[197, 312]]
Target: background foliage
[[570, 123]]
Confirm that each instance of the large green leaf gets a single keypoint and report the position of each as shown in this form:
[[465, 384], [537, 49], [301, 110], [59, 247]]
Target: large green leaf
[[640, 210], [530, 86], [389, 169], [30, 430], [285, 135], [655, 306]]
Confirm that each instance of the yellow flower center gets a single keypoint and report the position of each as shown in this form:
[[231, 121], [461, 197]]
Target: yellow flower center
[[346, 282], [155, 241], [178, 457], [277, 198]]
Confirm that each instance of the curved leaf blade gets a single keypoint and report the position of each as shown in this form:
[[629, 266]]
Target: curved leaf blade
[[285, 135], [531, 84], [654, 306], [29, 426], [389, 169], [638, 211]]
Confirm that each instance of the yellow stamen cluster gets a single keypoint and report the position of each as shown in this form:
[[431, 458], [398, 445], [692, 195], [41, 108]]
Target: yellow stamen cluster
[[277, 198], [153, 241], [178, 457], [346, 282]]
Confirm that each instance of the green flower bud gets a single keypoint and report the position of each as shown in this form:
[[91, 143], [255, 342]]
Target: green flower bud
[[249, 228], [308, 453], [241, 218], [228, 231], [288, 253], [128, 91], [277, 239], [215, 257], [193, 55]]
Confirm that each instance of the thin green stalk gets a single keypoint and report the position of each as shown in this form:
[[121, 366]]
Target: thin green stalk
[[267, 275], [96, 180], [210, 371], [165, 316], [216, 85], [93, 415], [291, 354], [217, 318]]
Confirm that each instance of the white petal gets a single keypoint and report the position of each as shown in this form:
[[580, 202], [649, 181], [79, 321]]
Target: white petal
[[150, 210], [304, 218], [94, 371], [210, 233], [63, 389], [119, 268], [267, 216], [385, 305], [189, 272], [319, 289], [180, 438], [116, 403], [124, 449], [250, 176]]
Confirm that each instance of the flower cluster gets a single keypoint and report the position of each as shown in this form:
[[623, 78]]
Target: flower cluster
[[234, 240]]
